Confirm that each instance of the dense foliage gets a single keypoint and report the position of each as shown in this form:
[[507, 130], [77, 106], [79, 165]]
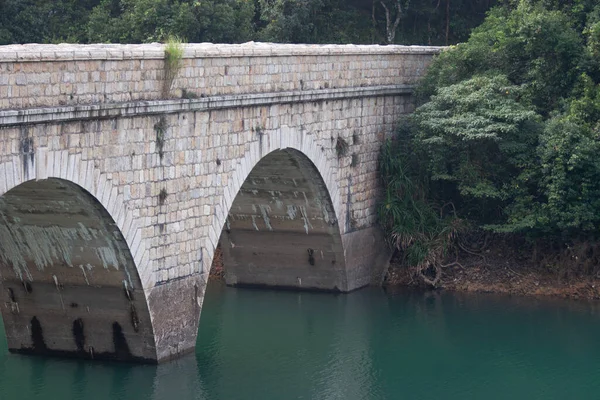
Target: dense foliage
[[135, 21], [421, 230], [508, 127], [234, 21]]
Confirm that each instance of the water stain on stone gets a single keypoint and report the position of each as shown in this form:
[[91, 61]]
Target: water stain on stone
[[128, 293], [135, 320], [27, 152], [11, 295], [311, 257], [121, 347], [37, 336], [78, 334]]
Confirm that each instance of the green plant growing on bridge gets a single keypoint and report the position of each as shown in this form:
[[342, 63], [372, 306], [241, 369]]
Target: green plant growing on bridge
[[173, 63], [188, 94], [260, 131]]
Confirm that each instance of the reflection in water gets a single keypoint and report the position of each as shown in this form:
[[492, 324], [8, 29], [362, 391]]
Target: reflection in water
[[280, 344], [366, 345], [181, 374]]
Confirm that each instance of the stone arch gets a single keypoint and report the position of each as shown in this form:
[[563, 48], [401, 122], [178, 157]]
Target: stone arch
[[292, 147], [78, 272], [70, 167]]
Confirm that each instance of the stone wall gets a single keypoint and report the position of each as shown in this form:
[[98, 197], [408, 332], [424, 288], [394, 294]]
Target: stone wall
[[44, 75], [167, 171], [206, 156]]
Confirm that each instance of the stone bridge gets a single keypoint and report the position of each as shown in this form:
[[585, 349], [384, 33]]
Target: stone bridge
[[120, 174]]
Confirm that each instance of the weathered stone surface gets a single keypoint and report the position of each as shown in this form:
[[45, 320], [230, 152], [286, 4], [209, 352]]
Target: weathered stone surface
[[58, 75], [72, 288], [175, 308], [166, 176], [367, 256], [282, 230]]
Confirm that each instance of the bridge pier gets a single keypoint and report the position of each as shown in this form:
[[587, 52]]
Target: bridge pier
[[175, 310], [367, 257]]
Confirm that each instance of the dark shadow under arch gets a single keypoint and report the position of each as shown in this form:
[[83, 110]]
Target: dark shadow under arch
[[281, 230], [67, 277]]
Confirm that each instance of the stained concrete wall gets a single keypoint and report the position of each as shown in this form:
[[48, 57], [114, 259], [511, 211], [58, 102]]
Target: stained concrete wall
[[168, 171]]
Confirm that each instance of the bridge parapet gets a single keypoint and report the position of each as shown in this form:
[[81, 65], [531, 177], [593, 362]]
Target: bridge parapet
[[36, 75]]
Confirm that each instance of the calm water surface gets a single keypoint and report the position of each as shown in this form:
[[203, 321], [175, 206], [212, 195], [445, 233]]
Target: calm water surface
[[366, 345]]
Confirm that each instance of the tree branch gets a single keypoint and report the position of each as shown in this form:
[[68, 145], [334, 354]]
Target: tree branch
[[391, 27], [387, 22], [398, 16]]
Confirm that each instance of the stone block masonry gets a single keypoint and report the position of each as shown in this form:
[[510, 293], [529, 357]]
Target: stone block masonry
[[270, 149], [61, 75]]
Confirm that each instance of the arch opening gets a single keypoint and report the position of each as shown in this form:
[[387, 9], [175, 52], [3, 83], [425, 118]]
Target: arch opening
[[67, 277], [281, 230]]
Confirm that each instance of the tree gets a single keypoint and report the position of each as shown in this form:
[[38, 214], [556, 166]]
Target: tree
[[27, 21], [533, 47], [509, 126], [478, 139], [311, 21], [568, 155], [397, 7], [138, 21], [293, 21]]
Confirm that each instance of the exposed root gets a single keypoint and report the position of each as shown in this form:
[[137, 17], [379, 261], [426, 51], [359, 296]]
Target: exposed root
[[509, 269], [438, 269], [436, 279], [452, 264]]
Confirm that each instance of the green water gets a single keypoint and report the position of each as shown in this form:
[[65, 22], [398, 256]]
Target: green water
[[367, 345]]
